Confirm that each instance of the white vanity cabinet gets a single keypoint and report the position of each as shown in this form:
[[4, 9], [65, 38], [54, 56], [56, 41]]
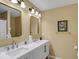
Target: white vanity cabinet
[[40, 52], [26, 56]]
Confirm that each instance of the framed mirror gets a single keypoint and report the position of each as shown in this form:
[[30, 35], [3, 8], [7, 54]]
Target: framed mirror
[[10, 22], [34, 27]]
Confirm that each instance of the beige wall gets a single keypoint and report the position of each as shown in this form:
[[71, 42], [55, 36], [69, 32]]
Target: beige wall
[[25, 23], [62, 42]]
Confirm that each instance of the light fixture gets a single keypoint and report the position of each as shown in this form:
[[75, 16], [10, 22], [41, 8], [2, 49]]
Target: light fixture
[[33, 11], [39, 15], [20, 2], [14, 1], [36, 13], [23, 4]]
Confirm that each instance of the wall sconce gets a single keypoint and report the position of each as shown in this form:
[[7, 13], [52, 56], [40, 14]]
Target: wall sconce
[[21, 2], [32, 12]]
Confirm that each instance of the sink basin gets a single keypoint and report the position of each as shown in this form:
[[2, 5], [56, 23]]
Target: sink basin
[[17, 51]]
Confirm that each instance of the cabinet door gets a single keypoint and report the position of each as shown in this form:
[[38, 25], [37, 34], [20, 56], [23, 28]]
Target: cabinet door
[[46, 50], [40, 52], [27, 56], [32, 55], [23, 57]]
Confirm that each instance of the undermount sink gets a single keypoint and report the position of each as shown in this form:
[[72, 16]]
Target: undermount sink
[[17, 51]]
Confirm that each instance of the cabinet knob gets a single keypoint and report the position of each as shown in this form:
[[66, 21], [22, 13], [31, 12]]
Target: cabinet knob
[[45, 48]]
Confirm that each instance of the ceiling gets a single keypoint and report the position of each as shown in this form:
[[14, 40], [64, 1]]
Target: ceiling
[[50, 4]]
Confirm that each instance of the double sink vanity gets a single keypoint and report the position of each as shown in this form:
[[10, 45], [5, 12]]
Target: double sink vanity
[[11, 25], [35, 50]]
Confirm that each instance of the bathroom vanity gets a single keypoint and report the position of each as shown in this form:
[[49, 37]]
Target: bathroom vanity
[[34, 50], [13, 19]]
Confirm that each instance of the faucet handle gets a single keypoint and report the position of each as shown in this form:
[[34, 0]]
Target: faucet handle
[[13, 46], [25, 42], [16, 45], [8, 48]]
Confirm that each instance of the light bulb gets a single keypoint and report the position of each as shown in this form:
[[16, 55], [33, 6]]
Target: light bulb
[[30, 14], [23, 4], [39, 15], [36, 13], [14, 1], [33, 11]]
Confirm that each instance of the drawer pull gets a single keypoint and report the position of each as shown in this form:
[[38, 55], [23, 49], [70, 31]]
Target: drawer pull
[[45, 48]]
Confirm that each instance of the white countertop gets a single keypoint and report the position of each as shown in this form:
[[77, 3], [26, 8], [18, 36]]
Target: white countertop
[[30, 47], [3, 56]]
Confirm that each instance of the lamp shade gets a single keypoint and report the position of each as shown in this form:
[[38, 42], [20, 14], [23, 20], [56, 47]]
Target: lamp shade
[[14, 1], [23, 4], [33, 11]]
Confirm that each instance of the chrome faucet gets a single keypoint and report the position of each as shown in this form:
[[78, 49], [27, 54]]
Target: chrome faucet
[[8, 48], [13, 44]]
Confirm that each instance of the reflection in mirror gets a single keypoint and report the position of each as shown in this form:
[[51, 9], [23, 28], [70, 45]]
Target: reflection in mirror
[[10, 22], [15, 23], [34, 26]]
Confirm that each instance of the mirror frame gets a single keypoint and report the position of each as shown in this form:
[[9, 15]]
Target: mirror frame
[[10, 7], [39, 35], [17, 10]]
